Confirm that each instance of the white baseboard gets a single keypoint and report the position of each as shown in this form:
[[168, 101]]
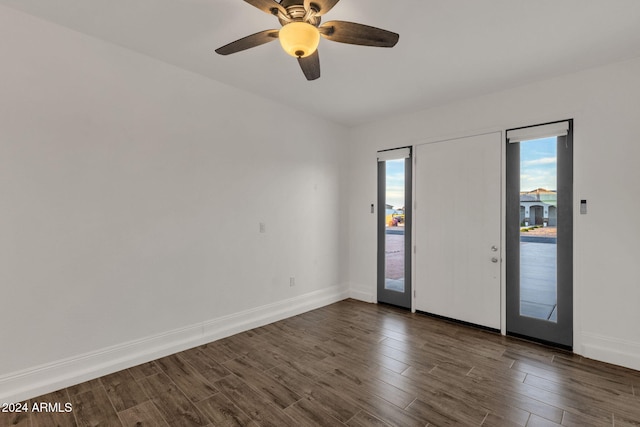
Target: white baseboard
[[39, 380], [611, 350], [365, 295]]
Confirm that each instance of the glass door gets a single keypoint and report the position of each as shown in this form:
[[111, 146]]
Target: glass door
[[394, 227], [539, 233]]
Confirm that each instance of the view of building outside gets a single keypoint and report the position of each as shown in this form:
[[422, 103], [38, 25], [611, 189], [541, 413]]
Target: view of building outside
[[538, 183]]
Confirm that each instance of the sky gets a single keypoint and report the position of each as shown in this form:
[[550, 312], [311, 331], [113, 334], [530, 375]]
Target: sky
[[395, 183], [538, 164]]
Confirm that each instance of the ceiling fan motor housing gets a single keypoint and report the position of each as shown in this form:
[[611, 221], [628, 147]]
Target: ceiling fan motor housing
[[297, 12]]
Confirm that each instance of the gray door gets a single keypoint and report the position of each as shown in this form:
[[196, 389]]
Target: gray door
[[394, 227], [539, 255]]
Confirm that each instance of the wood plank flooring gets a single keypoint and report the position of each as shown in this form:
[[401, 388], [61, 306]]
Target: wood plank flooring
[[354, 364]]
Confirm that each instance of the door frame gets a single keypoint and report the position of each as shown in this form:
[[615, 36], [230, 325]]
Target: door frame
[[400, 299], [560, 334]]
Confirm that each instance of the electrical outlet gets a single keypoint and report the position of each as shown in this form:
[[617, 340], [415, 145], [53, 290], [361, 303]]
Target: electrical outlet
[[292, 281]]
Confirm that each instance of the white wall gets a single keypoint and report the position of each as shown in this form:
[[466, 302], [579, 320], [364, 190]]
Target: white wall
[[132, 193], [605, 103]]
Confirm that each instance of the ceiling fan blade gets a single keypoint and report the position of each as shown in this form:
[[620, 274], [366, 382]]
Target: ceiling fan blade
[[248, 42], [310, 66], [269, 6], [363, 35], [323, 6]]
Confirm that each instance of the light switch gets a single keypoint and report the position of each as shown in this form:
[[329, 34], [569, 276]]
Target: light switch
[[583, 207]]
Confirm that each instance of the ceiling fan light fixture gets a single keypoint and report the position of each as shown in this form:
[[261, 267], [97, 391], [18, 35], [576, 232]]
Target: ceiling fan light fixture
[[299, 39]]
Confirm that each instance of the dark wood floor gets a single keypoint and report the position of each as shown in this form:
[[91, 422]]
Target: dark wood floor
[[355, 364]]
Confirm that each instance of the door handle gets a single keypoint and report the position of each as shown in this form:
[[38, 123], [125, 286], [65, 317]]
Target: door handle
[[494, 248], [494, 260]]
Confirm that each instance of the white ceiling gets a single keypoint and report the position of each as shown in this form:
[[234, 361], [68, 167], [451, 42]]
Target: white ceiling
[[448, 49]]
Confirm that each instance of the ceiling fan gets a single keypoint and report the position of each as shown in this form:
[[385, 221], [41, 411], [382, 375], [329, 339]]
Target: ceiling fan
[[301, 31]]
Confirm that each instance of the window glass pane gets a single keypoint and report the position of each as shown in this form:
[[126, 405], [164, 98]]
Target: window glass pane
[[538, 229], [394, 225]]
